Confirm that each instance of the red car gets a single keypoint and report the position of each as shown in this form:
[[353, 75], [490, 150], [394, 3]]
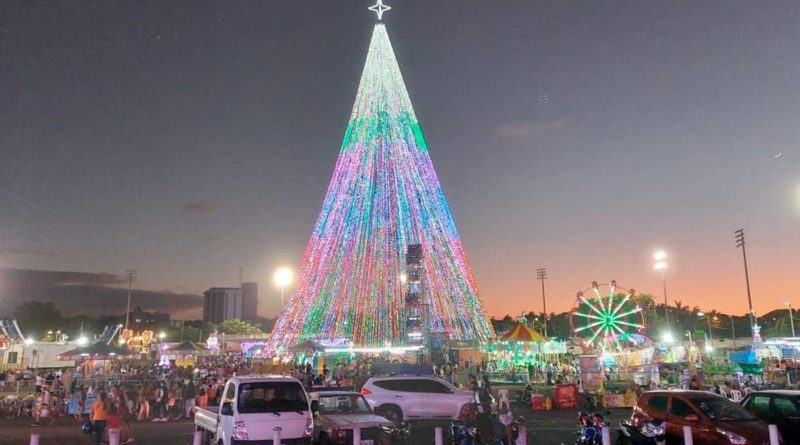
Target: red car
[[714, 420]]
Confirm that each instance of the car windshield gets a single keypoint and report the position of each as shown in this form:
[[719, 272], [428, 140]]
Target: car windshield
[[344, 404], [718, 408], [275, 397]]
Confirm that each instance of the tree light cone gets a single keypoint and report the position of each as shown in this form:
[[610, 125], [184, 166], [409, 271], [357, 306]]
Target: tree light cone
[[384, 195]]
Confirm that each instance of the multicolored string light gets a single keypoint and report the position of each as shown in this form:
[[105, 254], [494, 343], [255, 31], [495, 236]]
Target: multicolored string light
[[383, 196]]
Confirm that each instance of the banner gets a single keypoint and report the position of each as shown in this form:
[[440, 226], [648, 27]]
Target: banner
[[566, 396], [591, 373]]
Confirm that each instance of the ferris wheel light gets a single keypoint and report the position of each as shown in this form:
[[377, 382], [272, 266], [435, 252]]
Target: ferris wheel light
[[606, 320]]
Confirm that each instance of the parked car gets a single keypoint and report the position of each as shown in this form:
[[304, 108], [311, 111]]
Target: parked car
[[414, 398], [714, 420], [252, 406], [338, 413], [777, 407]]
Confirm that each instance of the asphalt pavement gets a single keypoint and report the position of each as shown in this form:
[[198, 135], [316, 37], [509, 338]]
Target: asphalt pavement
[[554, 427]]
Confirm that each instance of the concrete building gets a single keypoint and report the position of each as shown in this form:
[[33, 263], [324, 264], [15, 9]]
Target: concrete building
[[226, 303]]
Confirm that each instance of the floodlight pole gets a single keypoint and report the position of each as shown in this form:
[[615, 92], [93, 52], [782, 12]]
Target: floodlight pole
[[131, 273], [739, 236], [541, 274]]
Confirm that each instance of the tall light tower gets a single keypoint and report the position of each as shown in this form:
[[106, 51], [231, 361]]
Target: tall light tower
[[791, 316], [739, 236], [131, 273], [541, 274], [660, 258], [283, 277]]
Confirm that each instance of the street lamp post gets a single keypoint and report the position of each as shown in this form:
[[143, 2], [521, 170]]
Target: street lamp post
[[541, 274], [708, 318], [791, 317], [283, 277], [661, 264], [733, 331]]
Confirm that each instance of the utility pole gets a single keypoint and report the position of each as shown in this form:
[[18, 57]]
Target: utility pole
[[791, 317], [131, 273], [739, 235], [541, 274]]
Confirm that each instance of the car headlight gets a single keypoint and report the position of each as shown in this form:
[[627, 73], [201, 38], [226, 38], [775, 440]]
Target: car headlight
[[733, 438], [309, 427], [239, 431]]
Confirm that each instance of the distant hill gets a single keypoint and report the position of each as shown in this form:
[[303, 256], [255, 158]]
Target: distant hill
[[93, 294]]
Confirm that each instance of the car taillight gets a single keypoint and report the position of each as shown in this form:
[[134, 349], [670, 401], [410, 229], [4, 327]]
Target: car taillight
[[365, 392], [239, 431]]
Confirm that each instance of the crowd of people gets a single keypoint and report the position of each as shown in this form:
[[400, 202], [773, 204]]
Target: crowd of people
[[112, 398]]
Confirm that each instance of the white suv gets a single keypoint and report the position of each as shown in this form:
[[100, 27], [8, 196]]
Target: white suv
[[410, 398]]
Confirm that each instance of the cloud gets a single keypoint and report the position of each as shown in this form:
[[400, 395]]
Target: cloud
[[87, 293], [200, 207], [529, 128]]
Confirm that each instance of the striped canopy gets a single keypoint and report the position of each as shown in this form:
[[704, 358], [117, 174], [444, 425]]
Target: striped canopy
[[522, 333]]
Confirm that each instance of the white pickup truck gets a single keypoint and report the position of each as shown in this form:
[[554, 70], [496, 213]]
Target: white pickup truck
[[252, 407]]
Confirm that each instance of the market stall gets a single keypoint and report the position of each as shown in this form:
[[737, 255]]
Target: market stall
[[184, 354]]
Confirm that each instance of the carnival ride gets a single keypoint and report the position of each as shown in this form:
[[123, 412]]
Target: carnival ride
[[607, 318]]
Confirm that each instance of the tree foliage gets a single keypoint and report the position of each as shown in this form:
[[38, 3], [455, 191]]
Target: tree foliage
[[35, 318], [238, 327]]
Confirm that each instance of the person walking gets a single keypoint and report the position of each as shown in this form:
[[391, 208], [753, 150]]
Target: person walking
[[98, 416], [202, 398], [189, 395], [144, 403]]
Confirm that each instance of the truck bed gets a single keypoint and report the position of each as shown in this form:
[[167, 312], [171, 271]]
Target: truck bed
[[206, 418]]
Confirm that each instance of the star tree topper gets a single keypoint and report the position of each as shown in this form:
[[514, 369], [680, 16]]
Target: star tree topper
[[379, 8]]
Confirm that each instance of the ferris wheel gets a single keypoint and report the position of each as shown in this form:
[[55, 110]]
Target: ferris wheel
[[606, 318]]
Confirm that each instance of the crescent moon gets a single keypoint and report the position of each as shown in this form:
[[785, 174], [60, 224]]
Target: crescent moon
[[778, 155]]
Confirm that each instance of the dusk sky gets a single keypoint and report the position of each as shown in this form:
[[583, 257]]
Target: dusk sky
[[188, 138]]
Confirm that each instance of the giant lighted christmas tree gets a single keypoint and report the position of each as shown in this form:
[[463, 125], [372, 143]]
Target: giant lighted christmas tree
[[384, 195]]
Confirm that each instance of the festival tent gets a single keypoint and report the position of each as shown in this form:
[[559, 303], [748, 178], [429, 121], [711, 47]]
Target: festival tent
[[184, 354], [97, 351], [189, 348], [522, 333]]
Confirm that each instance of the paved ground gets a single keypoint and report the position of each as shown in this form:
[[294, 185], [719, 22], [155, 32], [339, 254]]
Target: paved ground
[[544, 428]]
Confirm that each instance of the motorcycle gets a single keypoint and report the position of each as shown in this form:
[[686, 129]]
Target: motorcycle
[[398, 434], [524, 397], [463, 434], [476, 426], [514, 430], [649, 433], [591, 429]]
